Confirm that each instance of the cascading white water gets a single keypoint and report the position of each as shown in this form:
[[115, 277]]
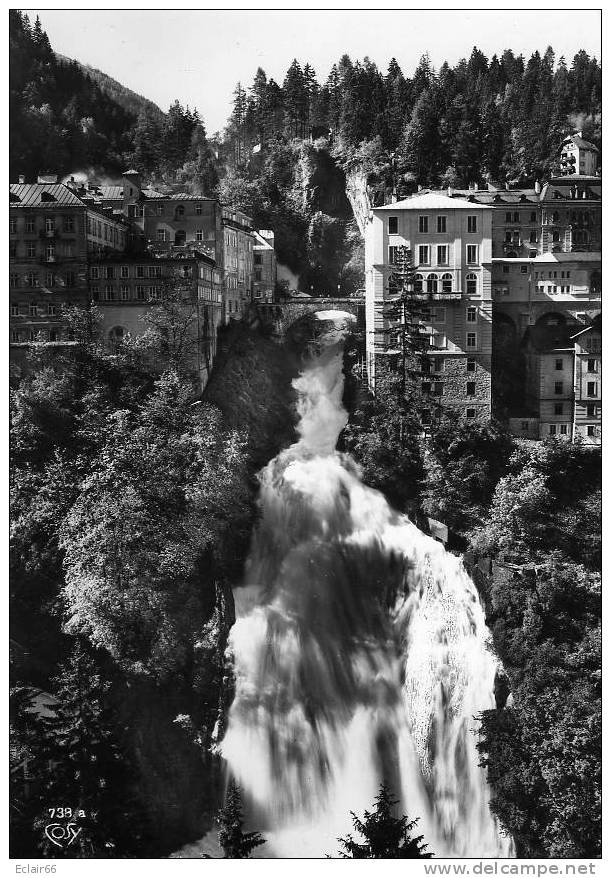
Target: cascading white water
[[360, 653]]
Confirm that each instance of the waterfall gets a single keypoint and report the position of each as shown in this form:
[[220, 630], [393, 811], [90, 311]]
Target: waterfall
[[361, 655]]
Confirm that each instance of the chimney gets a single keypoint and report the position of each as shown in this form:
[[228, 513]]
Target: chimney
[[537, 187], [22, 178]]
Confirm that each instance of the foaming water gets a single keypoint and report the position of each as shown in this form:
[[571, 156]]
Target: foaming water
[[360, 654]]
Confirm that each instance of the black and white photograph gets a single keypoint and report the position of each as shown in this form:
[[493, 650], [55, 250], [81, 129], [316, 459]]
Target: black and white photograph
[[305, 438]]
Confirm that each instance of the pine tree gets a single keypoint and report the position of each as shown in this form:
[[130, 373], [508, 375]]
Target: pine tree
[[385, 836], [80, 765], [236, 843]]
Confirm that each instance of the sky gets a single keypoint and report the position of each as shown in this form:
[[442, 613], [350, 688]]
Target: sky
[[198, 56]]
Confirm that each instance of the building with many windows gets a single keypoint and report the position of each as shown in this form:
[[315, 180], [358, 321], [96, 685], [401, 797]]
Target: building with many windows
[[451, 245], [52, 235], [264, 266]]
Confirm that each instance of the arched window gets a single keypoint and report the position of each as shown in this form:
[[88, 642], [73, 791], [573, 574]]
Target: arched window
[[446, 283], [431, 283], [471, 284], [417, 283], [179, 211]]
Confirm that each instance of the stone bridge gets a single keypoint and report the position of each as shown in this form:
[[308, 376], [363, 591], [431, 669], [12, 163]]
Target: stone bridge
[[281, 316]]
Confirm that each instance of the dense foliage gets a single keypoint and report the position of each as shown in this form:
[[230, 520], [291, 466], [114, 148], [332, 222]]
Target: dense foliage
[[67, 118], [496, 118], [130, 513], [384, 835], [543, 749]]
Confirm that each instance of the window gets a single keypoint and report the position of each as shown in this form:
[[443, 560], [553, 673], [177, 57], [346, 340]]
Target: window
[[140, 293], [95, 294], [533, 216], [558, 365], [94, 272], [49, 279], [555, 216], [592, 388], [533, 237], [15, 335], [31, 279], [431, 283], [558, 386], [508, 237], [33, 309], [198, 210], [552, 429], [472, 314], [30, 249], [14, 310], [199, 235], [13, 281], [471, 284], [109, 293], [140, 271], [179, 212], [472, 224], [472, 254], [51, 310], [470, 413], [508, 216], [524, 269], [470, 365], [124, 292], [393, 255], [68, 224], [423, 224], [516, 216], [471, 339], [592, 365], [417, 283], [563, 430], [162, 235], [49, 224], [446, 283], [439, 364], [30, 225], [470, 388], [441, 225], [423, 254], [125, 271], [109, 273], [12, 249], [591, 430], [555, 237], [393, 225], [442, 254], [70, 278], [505, 269], [13, 226], [558, 407]]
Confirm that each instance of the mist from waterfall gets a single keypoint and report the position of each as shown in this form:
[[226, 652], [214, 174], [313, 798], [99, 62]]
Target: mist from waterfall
[[360, 652]]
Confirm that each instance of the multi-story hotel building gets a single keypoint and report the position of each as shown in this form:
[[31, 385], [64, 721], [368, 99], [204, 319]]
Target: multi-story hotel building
[[450, 240], [52, 235]]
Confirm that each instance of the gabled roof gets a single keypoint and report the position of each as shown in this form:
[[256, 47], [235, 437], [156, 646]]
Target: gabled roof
[[431, 201], [111, 193], [261, 243], [580, 142], [47, 194]]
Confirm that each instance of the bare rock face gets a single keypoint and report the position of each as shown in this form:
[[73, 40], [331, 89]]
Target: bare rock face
[[358, 196]]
